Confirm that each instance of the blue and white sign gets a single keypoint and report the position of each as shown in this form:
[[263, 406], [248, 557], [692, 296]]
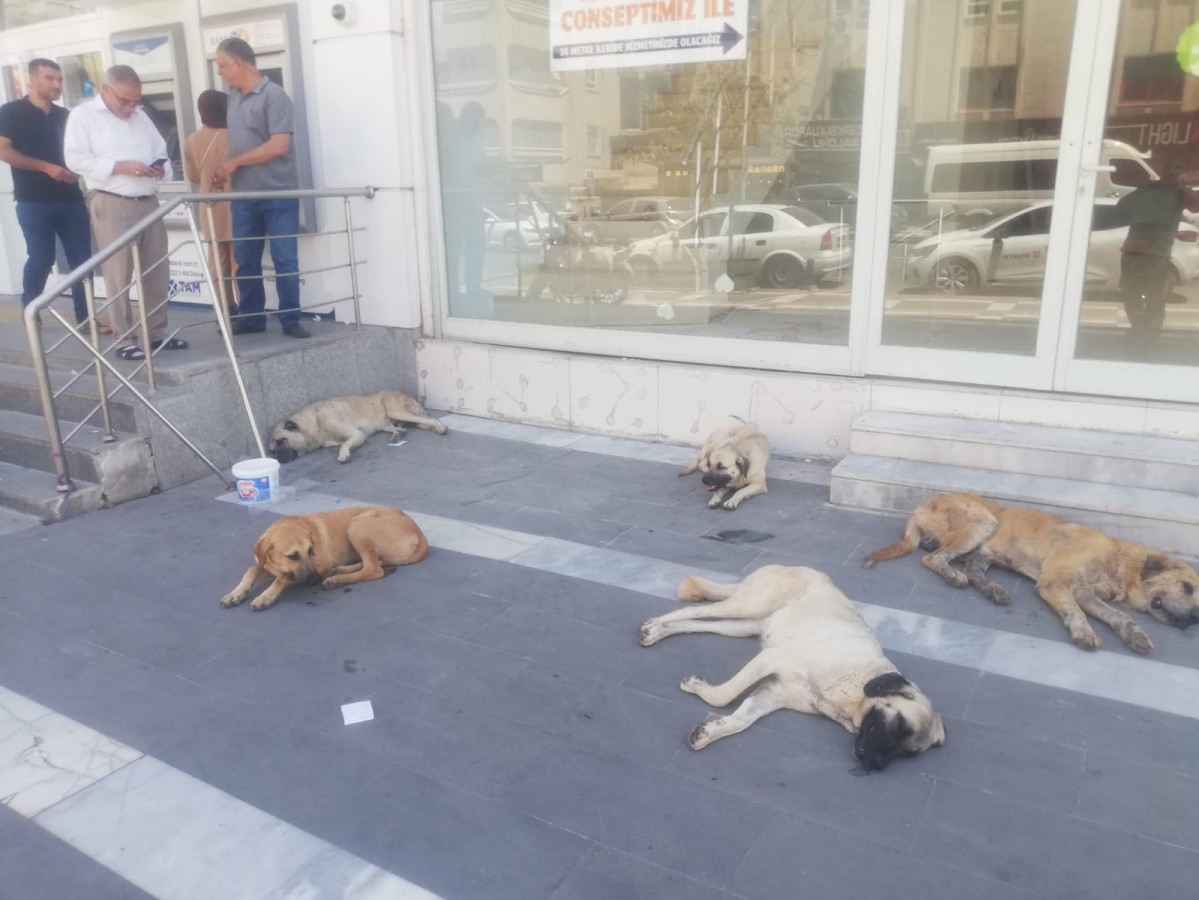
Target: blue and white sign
[[612, 34]]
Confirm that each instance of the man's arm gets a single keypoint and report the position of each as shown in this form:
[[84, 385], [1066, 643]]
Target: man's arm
[[19, 160], [272, 148]]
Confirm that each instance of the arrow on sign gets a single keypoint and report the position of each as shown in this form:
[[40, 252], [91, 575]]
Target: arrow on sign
[[729, 38]]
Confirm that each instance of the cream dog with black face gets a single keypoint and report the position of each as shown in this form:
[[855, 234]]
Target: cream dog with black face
[[733, 460], [818, 656], [346, 423]]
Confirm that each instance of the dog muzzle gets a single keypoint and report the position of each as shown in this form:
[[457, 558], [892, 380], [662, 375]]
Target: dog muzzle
[[715, 481], [283, 454]]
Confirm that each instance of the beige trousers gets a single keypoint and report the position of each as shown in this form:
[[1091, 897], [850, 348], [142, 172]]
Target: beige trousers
[[111, 217]]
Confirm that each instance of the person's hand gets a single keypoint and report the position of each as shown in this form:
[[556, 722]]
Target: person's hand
[[224, 174], [217, 184], [135, 168], [158, 171], [58, 173]]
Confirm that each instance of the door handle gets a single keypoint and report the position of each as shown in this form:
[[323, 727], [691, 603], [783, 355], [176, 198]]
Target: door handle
[[761, 243]]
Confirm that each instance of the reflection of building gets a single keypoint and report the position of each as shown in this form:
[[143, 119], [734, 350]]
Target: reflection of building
[[547, 129]]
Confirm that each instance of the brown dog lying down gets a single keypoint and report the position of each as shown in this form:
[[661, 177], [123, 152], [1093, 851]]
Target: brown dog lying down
[[818, 656], [1079, 570], [333, 548], [733, 461]]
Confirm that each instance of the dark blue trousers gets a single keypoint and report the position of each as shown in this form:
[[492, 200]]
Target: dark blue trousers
[[41, 223]]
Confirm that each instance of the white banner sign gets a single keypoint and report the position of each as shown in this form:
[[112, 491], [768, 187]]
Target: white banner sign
[[611, 34]]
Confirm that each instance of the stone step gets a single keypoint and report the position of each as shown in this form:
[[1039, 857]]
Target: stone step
[[123, 468], [18, 391], [33, 492], [1104, 457], [1162, 519]]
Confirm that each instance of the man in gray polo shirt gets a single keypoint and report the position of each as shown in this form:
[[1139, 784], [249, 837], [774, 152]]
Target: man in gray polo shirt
[[262, 157]]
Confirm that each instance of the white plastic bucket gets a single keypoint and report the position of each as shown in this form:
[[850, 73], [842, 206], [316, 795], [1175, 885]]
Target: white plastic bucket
[[257, 480]]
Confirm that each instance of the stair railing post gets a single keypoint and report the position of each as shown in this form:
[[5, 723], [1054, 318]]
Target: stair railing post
[[62, 477], [89, 292], [141, 314], [353, 264]]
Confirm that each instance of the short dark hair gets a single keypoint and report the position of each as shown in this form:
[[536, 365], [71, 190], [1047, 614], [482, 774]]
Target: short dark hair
[[213, 106], [121, 75], [40, 63], [238, 49]]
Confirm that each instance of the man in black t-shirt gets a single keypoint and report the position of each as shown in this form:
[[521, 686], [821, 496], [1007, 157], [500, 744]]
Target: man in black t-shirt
[[49, 202]]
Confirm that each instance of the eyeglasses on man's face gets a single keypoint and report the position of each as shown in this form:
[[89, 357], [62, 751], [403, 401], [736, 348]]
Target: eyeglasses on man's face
[[124, 99]]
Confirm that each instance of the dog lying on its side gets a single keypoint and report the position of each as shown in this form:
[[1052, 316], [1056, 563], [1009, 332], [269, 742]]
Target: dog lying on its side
[[733, 460], [346, 423], [818, 656], [1078, 570], [345, 546]]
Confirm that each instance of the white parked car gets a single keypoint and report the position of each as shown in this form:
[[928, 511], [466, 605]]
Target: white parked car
[[958, 261], [778, 246], [511, 234]]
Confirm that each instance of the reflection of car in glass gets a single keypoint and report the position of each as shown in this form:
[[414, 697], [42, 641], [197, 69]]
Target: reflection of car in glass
[[636, 218], [960, 261], [833, 203], [778, 246], [509, 234]]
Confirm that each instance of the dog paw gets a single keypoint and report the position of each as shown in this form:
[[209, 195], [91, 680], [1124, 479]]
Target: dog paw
[[730, 504], [651, 633], [1137, 640], [1087, 640], [692, 684], [259, 605], [714, 502], [331, 582], [441, 429], [955, 578], [343, 457], [699, 737], [998, 596], [231, 599]]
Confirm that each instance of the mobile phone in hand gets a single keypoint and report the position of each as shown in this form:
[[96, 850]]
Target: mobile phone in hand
[[159, 163]]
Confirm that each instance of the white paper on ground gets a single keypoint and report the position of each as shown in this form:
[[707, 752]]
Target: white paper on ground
[[353, 713], [397, 443]]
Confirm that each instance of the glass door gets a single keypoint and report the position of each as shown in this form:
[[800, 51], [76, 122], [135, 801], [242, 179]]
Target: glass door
[[989, 102], [1135, 331]]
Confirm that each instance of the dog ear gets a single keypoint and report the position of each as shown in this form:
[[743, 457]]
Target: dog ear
[[1155, 564], [290, 425], [882, 685], [743, 465], [261, 548]]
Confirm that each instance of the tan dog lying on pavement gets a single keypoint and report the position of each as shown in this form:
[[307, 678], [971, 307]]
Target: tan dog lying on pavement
[[818, 656], [346, 423], [1079, 570], [733, 460], [333, 548]]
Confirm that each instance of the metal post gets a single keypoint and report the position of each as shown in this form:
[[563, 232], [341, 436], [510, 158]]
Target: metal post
[[62, 478], [89, 291], [353, 265], [222, 322], [214, 252], [141, 314]]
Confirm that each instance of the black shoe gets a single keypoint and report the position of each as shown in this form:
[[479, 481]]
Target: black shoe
[[243, 328], [296, 330]]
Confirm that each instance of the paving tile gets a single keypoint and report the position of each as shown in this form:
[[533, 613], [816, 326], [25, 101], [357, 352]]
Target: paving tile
[[1006, 762], [1153, 803], [692, 517], [457, 844], [606, 873], [583, 529], [442, 665], [817, 781], [687, 550], [457, 743], [37, 864], [1048, 853], [641, 811], [795, 854], [1121, 730], [595, 713]]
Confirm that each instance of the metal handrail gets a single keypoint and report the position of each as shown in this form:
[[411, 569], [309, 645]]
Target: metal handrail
[[33, 319]]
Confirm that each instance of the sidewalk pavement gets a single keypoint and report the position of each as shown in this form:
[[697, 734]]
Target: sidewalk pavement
[[523, 744]]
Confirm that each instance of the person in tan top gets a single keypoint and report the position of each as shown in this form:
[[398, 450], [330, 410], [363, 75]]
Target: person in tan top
[[203, 154]]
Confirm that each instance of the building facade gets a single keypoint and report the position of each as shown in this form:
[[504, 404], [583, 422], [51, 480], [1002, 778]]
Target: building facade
[[794, 211]]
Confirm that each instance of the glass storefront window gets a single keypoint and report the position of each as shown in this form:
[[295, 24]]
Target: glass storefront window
[[715, 198], [17, 13], [981, 97]]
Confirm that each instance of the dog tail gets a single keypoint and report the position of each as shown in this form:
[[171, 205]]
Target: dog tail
[[693, 589], [911, 540]]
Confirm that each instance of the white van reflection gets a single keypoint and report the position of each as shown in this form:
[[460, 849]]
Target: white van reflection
[[1011, 250]]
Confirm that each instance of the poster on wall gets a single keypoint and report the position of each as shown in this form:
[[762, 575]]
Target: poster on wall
[[261, 34], [612, 34], [150, 57]]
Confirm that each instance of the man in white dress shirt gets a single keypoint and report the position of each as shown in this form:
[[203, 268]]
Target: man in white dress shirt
[[113, 144]]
